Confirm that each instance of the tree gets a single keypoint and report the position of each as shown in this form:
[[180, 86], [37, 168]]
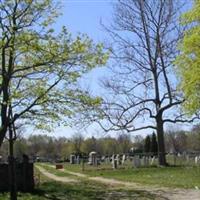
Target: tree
[[124, 143], [147, 144], [154, 144], [188, 61], [176, 140], [193, 139], [77, 142], [39, 68], [143, 91]]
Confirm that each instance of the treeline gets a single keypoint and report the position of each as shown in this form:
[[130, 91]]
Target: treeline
[[177, 141], [51, 147]]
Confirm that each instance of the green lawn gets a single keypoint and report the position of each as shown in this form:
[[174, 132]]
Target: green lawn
[[182, 177], [85, 190]]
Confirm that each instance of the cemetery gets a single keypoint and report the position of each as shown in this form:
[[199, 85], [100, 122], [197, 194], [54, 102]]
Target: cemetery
[[99, 99]]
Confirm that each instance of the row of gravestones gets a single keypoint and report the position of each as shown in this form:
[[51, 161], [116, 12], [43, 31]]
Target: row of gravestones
[[117, 160], [197, 160], [188, 159], [74, 159], [136, 161]]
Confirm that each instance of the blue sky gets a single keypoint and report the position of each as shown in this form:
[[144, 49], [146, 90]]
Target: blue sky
[[84, 16]]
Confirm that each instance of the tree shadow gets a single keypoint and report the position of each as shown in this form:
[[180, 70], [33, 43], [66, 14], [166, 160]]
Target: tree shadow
[[87, 191]]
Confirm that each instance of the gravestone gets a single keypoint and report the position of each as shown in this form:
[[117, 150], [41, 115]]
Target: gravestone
[[114, 164], [123, 159], [187, 159], [197, 160], [153, 160], [136, 161], [118, 159], [107, 160], [93, 158], [113, 158], [146, 161], [72, 159], [78, 160]]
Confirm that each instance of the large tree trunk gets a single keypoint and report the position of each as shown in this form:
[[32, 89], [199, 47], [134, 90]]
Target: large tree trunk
[[161, 143], [12, 168], [2, 135]]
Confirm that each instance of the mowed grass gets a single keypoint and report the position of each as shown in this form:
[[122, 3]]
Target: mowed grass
[[180, 177], [51, 190], [84, 190], [52, 169]]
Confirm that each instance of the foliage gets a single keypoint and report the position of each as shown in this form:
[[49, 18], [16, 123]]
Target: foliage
[[40, 69], [188, 61]]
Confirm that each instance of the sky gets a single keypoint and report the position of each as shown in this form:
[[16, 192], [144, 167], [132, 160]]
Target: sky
[[84, 16]]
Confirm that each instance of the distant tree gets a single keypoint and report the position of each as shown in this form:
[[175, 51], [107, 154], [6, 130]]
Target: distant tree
[[176, 140], [109, 146], [77, 142], [154, 144], [124, 143], [193, 139], [147, 144], [138, 144]]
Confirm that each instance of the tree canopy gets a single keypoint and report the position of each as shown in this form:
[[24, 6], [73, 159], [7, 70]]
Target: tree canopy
[[40, 69], [189, 59]]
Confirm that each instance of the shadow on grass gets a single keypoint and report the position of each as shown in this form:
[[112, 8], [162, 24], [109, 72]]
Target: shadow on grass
[[86, 191]]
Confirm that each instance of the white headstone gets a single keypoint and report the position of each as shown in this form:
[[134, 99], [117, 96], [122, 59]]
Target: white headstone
[[113, 158], [197, 160], [136, 161], [146, 161], [153, 160], [123, 159], [72, 159], [77, 160], [118, 159], [92, 158]]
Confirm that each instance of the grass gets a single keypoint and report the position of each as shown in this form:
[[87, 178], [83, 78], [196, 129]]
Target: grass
[[178, 176], [55, 171], [84, 190]]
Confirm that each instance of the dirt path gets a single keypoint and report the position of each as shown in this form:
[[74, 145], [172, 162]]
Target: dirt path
[[161, 192], [70, 172], [56, 178]]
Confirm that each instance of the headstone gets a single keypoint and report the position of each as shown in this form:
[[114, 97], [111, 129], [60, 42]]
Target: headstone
[[146, 161], [107, 160], [59, 166], [113, 158], [114, 164], [153, 160], [118, 159], [123, 159], [93, 158], [197, 160], [78, 160], [136, 161], [187, 159], [72, 159]]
